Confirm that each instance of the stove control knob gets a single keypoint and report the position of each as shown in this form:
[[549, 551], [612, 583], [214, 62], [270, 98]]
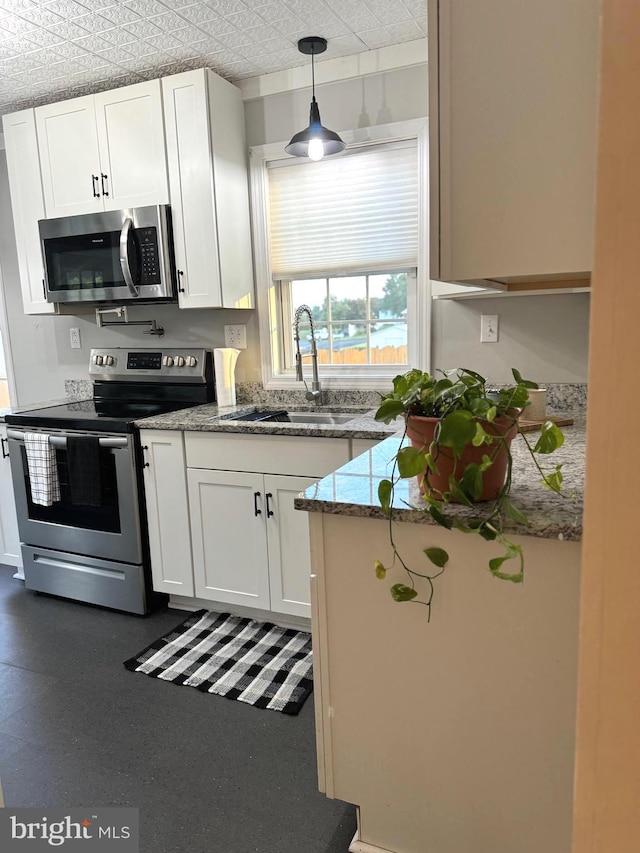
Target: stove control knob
[[109, 360], [192, 361], [179, 361], [167, 361], [97, 359]]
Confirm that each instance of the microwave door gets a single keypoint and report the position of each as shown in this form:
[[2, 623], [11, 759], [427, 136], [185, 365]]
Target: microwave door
[[125, 264]]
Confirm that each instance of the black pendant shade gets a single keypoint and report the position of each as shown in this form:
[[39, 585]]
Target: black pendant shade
[[315, 141]]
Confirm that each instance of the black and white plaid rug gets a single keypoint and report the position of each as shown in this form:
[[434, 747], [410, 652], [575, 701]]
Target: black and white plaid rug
[[254, 662]]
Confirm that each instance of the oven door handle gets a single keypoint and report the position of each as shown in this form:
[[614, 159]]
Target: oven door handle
[[124, 257], [61, 440]]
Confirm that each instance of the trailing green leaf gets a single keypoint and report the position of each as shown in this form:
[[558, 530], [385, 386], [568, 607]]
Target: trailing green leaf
[[401, 592], [381, 571], [457, 430], [513, 512], [553, 481], [411, 462], [438, 556], [385, 493], [551, 438], [471, 481], [389, 410]]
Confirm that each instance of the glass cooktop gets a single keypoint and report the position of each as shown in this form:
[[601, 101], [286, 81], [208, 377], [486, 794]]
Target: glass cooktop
[[95, 415]]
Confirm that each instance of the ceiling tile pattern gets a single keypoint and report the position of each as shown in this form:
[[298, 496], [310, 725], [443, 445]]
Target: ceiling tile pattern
[[61, 49]]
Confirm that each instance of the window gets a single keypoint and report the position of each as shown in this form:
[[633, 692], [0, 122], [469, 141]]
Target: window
[[344, 237], [358, 320]]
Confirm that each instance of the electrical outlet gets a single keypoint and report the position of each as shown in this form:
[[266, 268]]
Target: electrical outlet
[[489, 329], [235, 336], [74, 338]]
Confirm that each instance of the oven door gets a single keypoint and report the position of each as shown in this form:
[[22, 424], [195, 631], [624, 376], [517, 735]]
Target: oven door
[[109, 531], [112, 256]]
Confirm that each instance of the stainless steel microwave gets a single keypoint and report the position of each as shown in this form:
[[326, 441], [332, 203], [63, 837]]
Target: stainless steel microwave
[[114, 256]]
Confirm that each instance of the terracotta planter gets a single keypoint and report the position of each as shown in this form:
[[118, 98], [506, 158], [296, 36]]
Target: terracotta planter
[[420, 431]]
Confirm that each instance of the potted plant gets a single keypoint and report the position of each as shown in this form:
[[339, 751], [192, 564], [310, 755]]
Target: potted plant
[[460, 436]]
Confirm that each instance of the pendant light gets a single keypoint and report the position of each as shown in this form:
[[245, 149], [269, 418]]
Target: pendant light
[[316, 141]]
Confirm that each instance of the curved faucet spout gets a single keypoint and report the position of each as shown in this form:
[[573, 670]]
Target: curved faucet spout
[[315, 394]]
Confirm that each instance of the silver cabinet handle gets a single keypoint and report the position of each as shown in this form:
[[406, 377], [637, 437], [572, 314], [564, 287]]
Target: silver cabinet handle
[[124, 257]]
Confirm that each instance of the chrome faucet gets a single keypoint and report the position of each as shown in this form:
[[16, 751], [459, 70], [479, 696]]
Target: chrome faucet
[[315, 394]]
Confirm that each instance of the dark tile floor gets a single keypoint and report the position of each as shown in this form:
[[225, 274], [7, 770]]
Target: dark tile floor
[[209, 775]]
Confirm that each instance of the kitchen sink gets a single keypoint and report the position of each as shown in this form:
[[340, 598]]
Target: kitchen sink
[[320, 417], [282, 416]]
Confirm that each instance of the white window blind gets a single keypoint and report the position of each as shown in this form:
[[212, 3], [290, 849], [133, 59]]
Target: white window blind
[[354, 212]]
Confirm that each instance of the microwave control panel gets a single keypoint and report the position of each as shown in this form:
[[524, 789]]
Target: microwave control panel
[[147, 239]]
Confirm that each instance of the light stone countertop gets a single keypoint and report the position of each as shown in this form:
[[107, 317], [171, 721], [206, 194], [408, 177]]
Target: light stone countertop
[[353, 489], [210, 418]]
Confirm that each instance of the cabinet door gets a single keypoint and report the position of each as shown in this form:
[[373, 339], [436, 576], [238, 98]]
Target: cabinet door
[[192, 192], [9, 539], [513, 109], [133, 166], [288, 544], [165, 483], [69, 157], [27, 203], [229, 537]]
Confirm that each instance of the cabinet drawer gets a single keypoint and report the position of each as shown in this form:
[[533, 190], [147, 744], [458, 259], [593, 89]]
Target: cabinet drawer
[[267, 454]]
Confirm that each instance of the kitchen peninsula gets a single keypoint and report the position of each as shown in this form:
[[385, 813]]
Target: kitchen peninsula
[[458, 733]]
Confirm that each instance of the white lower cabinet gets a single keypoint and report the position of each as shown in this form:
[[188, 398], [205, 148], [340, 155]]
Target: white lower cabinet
[[10, 553], [222, 522], [250, 546], [288, 545], [165, 483]]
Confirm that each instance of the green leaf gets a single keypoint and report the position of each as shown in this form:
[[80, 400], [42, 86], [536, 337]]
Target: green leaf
[[457, 431], [480, 436], [440, 518], [487, 462], [514, 513], [495, 565], [380, 570], [458, 493], [411, 462], [471, 481], [551, 438], [526, 382], [491, 414], [401, 592], [554, 481], [389, 410], [385, 491], [438, 556]]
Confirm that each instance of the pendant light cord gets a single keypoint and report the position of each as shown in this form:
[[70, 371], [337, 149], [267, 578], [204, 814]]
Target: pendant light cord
[[313, 75]]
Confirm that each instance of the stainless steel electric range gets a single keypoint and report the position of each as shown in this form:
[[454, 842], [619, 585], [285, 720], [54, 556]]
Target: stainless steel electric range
[[97, 551]]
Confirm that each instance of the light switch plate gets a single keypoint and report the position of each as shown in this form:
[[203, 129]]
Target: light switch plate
[[235, 336], [489, 329]]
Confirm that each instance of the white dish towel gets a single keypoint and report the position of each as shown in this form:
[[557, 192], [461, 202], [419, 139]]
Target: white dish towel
[[43, 470]]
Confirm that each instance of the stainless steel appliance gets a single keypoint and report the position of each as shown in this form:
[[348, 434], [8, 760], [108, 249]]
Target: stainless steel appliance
[[114, 256], [100, 553]]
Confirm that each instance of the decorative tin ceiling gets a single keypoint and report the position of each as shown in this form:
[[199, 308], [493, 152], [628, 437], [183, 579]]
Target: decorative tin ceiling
[[65, 48]]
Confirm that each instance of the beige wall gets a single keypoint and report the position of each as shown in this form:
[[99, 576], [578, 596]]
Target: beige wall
[[545, 337]]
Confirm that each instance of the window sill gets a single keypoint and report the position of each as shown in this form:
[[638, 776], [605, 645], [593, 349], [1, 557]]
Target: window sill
[[377, 382]]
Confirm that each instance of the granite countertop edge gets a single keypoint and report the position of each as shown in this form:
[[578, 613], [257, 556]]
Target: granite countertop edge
[[352, 490]]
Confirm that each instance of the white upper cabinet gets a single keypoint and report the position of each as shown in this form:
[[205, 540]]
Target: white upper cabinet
[[512, 106], [208, 183], [27, 203], [103, 152]]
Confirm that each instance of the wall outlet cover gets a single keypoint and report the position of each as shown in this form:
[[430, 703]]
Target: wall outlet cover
[[235, 336], [74, 338]]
